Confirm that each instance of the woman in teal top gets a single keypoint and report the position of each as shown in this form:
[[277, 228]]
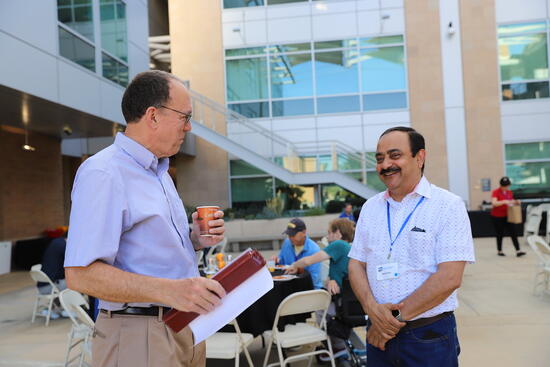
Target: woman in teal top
[[340, 235]]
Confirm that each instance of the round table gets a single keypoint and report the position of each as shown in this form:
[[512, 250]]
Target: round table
[[260, 316]]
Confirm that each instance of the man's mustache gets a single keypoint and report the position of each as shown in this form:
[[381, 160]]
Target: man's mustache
[[389, 170]]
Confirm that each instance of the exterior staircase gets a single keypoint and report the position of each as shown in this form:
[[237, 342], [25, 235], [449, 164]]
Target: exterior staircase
[[296, 163]]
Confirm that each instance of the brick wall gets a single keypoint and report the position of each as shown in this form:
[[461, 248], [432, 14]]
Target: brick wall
[[31, 195]]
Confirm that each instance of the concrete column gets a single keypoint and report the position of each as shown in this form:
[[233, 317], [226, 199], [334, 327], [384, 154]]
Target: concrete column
[[481, 96], [197, 56], [427, 107]]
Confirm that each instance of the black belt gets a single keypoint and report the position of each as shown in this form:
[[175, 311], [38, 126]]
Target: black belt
[[421, 322], [140, 311], [425, 321]]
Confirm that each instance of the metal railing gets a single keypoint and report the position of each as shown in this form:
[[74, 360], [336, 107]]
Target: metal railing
[[295, 156]]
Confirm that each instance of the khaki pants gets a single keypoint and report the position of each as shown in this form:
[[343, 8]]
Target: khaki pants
[[143, 341]]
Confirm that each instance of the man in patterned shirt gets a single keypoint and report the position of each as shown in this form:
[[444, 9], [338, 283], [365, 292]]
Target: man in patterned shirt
[[411, 245]]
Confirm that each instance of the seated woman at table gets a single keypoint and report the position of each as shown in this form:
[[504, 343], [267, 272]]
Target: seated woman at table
[[340, 235]]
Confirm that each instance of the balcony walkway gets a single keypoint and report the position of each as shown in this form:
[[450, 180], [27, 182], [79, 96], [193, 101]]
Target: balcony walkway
[[500, 321]]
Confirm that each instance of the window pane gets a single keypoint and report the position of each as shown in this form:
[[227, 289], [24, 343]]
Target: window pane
[[293, 47], [114, 70], [78, 16], [64, 15], [113, 29], [241, 3], [335, 44], [336, 72], [521, 28], [245, 51], [238, 168], [251, 189], [376, 41], [123, 74], [524, 90], [529, 175], [274, 2], [373, 181], [523, 57], [348, 161], [383, 69], [292, 107], [291, 76], [338, 104], [246, 79], [539, 150], [251, 110], [384, 101], [75, 49], [331, 192]]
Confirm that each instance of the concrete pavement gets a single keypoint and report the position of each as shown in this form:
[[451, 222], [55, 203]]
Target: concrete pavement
[[500, 321]]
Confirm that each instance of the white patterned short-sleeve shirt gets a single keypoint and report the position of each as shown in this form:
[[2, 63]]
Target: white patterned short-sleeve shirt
[[438, 231]]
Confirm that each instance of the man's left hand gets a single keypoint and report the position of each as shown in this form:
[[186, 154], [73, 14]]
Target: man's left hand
[[377, 337], [217, 229]]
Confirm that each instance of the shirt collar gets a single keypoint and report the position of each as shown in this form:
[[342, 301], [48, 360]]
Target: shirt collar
[[143, 156], [423, 188]]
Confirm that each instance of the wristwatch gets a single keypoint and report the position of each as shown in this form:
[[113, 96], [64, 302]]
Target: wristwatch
[[397, 315]]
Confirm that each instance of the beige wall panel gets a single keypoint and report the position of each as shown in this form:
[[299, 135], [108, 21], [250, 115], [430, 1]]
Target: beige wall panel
[[196, 34], [481, 96], [31, 198], [427, 106]]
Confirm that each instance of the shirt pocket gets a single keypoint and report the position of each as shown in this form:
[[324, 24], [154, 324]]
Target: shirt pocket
[[420, 249]]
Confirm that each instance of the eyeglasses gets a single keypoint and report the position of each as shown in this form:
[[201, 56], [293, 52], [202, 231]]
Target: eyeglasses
[[186, 116]]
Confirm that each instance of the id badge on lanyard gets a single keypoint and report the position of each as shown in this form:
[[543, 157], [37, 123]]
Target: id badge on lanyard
[[390, 270]]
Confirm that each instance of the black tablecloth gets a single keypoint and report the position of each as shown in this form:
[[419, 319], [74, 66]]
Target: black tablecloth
[[260, 316], [482, 225]]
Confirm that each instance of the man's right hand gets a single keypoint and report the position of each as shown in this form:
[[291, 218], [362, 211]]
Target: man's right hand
[[381, 316], [274, 258], [200, 295]]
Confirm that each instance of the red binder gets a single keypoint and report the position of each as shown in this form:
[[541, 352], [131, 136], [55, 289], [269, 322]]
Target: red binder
[[240, 269]]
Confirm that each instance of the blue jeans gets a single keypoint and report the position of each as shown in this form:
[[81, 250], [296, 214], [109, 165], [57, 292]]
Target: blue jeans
[[426, 346]]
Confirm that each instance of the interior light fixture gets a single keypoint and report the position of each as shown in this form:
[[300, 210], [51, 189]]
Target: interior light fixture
[[26, 146]]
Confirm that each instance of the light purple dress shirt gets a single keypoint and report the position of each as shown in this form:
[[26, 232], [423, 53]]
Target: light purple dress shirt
[[127, 213]]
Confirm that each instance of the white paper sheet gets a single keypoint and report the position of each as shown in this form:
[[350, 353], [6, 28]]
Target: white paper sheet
[[235, 302]]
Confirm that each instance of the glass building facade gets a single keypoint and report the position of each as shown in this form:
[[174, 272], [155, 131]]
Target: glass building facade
[[78, 41], [528, 166], [523, 59], [313, 78]]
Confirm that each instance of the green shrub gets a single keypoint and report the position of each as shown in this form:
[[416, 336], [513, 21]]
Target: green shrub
[[314, 211]]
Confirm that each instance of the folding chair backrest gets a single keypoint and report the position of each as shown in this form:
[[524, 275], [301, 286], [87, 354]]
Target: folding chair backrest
[[217, 248], [73, 302], [302, 302], [541, 248], [39, 276], [533, 218]]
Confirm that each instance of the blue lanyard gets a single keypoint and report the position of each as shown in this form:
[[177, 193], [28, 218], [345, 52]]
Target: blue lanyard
[[402, 226]]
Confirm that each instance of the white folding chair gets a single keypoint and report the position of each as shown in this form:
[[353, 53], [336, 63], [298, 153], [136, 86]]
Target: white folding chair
[[226, 345], [533, 217], [546, 208], [542, 250], [218, 247], [199, 255], [82, 329], [301, 333], [43, 301]]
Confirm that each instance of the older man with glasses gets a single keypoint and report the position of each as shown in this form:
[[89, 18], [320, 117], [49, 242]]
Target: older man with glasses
[[129, 242]]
